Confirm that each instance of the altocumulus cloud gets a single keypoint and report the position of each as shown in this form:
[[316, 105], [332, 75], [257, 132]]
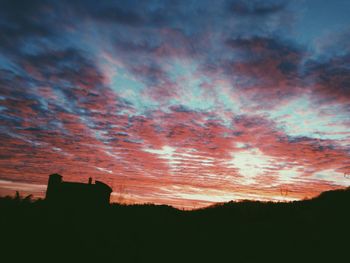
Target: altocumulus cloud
[[177, 102]]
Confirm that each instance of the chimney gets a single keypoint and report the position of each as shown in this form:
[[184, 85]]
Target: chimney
[[90, 180], [53, 186]]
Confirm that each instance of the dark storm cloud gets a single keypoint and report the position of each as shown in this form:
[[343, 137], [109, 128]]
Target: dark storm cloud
[[142, 34], [136, 13], [329, 71], [69, 65], [118, 15], [261, 46], [256, 8], [105, 11], [267, 68], [331, 79], [257, 52], [160, 29], [21, 20]]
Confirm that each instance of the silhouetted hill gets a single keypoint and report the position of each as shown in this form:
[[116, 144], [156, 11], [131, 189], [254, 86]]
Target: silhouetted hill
[[310, 230], [340, 196]]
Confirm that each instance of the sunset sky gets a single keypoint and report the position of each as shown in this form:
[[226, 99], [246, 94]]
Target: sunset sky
[[184, 103]]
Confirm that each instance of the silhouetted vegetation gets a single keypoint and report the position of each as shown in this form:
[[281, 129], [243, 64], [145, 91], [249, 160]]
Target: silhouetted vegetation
[[311, 230]]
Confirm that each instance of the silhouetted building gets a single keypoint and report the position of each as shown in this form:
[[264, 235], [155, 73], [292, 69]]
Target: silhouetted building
[[80, 194]]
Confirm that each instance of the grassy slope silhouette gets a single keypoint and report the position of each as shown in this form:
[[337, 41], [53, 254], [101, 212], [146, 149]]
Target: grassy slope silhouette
[[310, 230]]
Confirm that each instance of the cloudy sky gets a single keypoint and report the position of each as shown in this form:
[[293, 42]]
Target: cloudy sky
[[176, 102]]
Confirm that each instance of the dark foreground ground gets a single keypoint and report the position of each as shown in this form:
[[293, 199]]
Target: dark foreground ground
[[306, 231]]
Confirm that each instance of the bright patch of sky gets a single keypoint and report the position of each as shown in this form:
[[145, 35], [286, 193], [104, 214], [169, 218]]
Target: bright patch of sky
[[167, 153], [164, 152], [250, 164], [18, 186], [194, 193], [299, 118], [195, 159], [231, 103], [212, 195], [215, 195], [191, 95], [130, 89], [190, 92], [104, 170], [333, 177], [290, 175]]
